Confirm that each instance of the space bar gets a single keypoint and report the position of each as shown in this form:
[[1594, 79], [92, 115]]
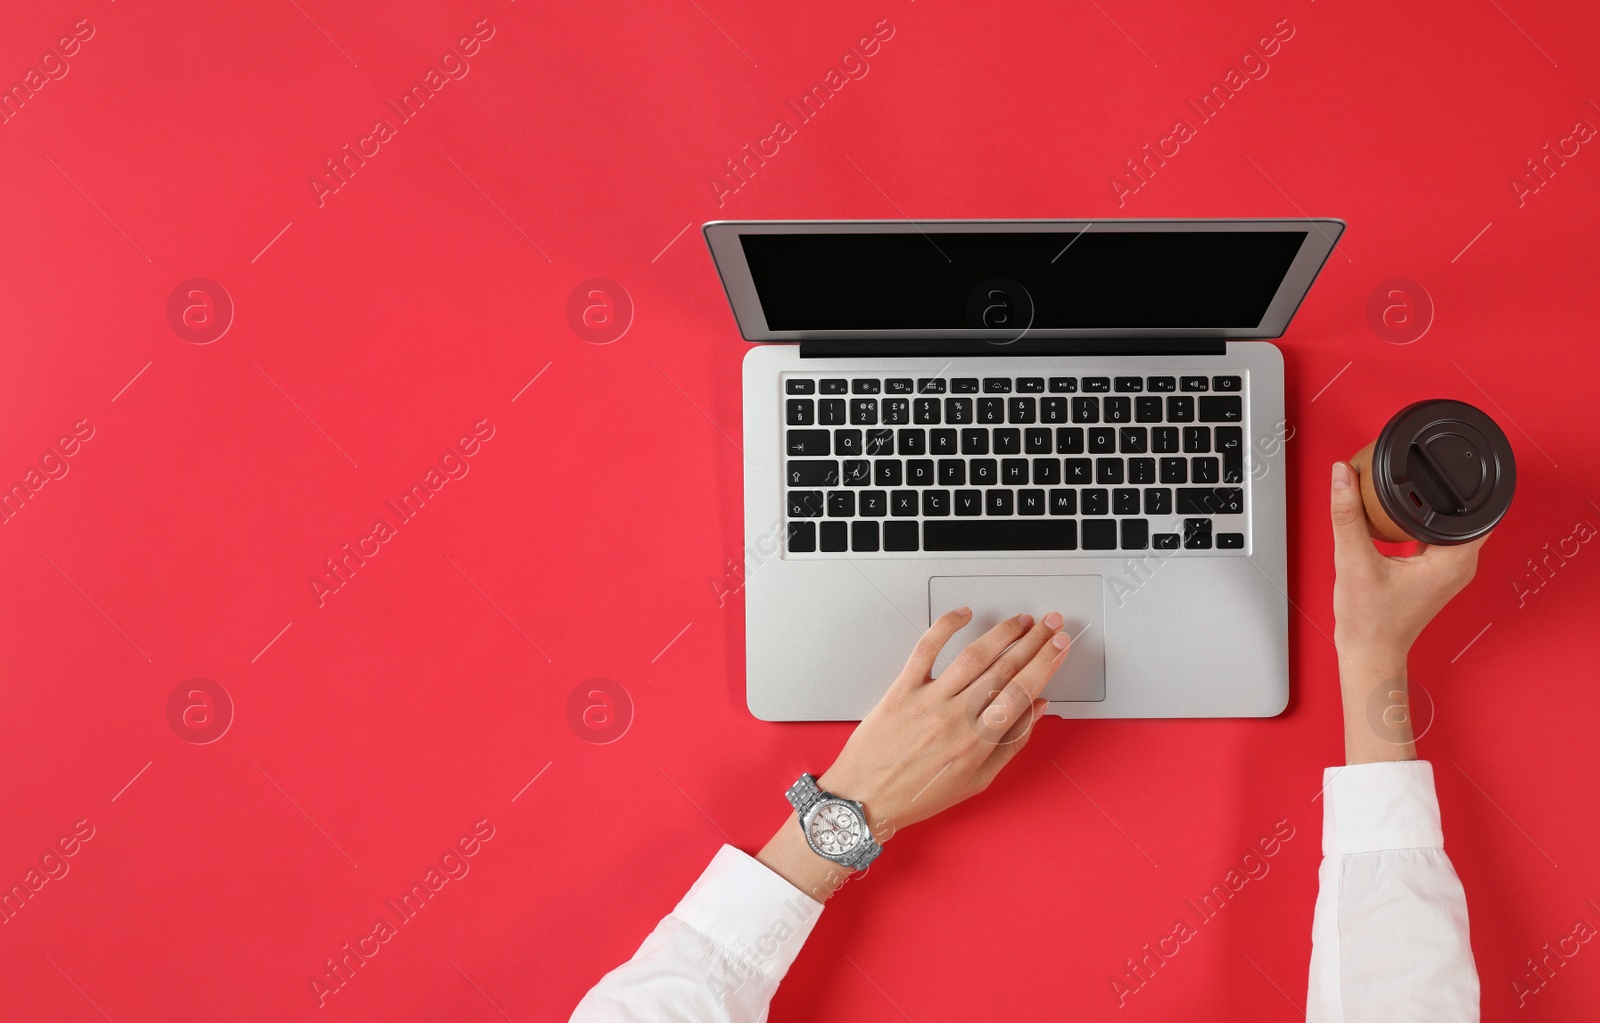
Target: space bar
[[1000, 535]]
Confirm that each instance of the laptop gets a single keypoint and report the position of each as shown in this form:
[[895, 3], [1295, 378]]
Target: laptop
[[1018, 416]]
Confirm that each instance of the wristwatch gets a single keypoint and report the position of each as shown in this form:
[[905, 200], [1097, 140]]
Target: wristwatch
[[835, 827]]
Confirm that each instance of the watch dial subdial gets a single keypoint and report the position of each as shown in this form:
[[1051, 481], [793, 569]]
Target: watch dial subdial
[[835, 829]]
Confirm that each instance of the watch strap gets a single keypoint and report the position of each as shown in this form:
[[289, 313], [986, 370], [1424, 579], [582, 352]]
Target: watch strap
[[805, 793]]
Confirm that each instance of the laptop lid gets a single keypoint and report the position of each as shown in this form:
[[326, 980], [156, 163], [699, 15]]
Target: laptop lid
[[877, 286]]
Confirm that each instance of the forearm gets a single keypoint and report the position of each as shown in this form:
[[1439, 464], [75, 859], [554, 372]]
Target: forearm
[[788, 856], [1377, 707]]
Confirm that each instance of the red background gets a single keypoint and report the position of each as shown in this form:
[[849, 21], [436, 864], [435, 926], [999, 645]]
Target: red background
[[603, 518]]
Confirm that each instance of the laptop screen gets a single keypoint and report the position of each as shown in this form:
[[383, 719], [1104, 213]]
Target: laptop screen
[[1071, 279]]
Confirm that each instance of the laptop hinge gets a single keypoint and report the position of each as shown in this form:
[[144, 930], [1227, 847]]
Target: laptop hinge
[[935, 348]]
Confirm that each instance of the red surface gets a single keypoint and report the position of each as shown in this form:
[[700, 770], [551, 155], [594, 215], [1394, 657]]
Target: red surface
[[603, 517]]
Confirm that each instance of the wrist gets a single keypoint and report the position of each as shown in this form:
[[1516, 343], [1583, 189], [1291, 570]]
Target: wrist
[[879, 824], [791, 857]]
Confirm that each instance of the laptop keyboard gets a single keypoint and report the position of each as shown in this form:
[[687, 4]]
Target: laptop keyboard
[[1051, 464]]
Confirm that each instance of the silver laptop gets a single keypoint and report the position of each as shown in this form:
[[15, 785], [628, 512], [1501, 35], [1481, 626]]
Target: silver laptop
[[1019, 416]]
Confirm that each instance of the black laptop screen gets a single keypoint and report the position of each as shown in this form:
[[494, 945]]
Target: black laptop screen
[[1085, 280]]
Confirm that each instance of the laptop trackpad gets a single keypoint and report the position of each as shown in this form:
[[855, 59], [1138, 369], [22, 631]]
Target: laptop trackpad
[[993, 598]]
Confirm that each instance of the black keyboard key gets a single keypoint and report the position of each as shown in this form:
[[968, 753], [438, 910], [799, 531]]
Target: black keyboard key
[[1014, 472], [996, 385], [880, 442], [1022, 410], [835, 536], [1063, 502], [919, 472], [863, 536], [1063, 385], [1030, 385], [930, 385], [1125, 384], [1165, 541], [800, 411], [1007, 442], [1037, 441], [842, 504], [802, 535], [1141, 470], [1164, 440], [899, 536], [1147, 409], [1174, 470], [1096, 501], [1222, 408], [795, 386], [1069, 440], [1085, 410], [811, 472], [836, 387], [831, 411], [968, 502], [857, 472], [903, 503], [1125, 501], [1197, 439], [936, 502], [1132, 440], [984, 472], [926, 411], [1161, 384], [991, 410], [847, 442], [1230, 541], [807, 442], [896, 411], [952, 472], [1001, 535], [1094, 385], [1108, 471], [864, 411], [1227, 384], [1135, 534], [1210, 500], [997, 502], [874, 504], [1100, 534], [805, 504], [964, 385], [1230, 442], [1204, 470], [1030, 502], [975, 442], [942, 442], [1197, 534], [1158, 501], [886, 472], [899, 385], [1046, 471], [958, 410], [911, 442], [1054, 410], [1102, 440], [1192, 383], [859, 386], [1118, 410], [1180, 408], [1078, 471]]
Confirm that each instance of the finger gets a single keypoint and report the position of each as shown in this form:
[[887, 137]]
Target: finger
[[981, 652], [1021, 691], [1352, 542], [1016, 656], [1008, 749], [920, 664]]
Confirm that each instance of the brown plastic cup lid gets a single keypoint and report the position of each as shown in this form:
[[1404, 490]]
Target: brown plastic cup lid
[[1443, 471]]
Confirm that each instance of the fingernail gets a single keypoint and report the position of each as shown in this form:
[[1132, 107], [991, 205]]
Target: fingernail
[[1026, 621], [1053, 620], [964, 611], [1060, 641], [1341, 476]]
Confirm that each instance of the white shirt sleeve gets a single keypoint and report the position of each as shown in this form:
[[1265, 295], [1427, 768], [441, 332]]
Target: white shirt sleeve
[[1389, 936], [717, 958]]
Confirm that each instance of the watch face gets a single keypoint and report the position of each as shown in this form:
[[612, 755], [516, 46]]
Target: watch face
[[834, 828]]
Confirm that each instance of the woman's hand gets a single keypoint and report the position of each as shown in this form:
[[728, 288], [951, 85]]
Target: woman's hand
[[932, 742]]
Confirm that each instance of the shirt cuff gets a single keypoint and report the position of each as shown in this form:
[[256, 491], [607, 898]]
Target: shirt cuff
[[1372, 807], [758, 917]]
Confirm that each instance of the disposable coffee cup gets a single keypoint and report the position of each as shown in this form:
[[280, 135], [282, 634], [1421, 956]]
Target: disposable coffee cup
[[1441, 471]]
